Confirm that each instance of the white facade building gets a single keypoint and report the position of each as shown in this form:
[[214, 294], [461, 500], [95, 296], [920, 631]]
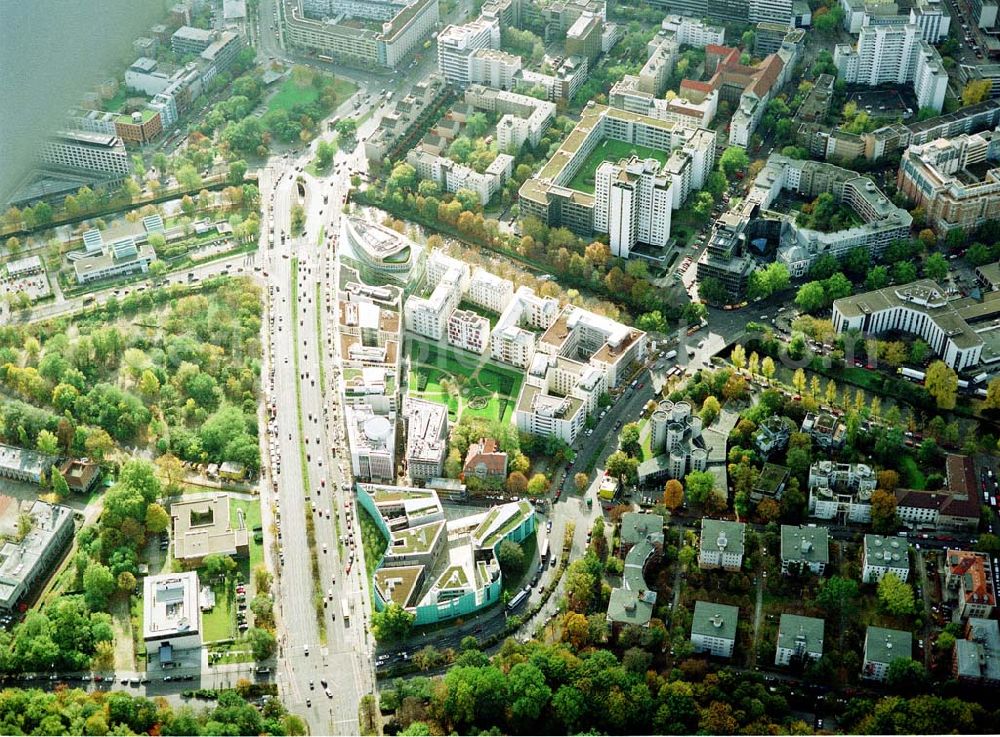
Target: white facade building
[[841, 489], [693, 32], [894, 54], [489, 291], [494, 68], [456, 44], [171, 618], [714, 628], [426, 438], [632, 204], [429, 317], [882, 555], [721, 544], [469, 331], [372, 439]]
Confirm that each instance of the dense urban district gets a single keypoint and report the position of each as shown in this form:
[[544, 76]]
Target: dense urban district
[[509, 367]]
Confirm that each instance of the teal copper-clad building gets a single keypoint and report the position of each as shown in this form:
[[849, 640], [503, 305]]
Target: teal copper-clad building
[[436, 568]]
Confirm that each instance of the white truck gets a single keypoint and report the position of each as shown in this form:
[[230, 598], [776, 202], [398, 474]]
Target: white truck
[[670, 355]]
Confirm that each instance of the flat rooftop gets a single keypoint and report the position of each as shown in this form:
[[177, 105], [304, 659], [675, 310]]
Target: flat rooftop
[[170, 605]]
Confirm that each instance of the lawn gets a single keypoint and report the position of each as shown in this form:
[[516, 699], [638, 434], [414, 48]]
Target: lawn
[[474, 377], [251, 512], [913, 477], [609, 150], [220, 623], [289, 94]]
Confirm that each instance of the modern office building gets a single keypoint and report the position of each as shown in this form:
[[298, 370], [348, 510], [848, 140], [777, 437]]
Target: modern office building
[[920, 308], [955, 181], [894, 54], [882, 646], [641, 540], [982, 116], [676, 444], [880, 221], [118, 258], [368, 34], [882, 555], [140, 127], [188, 40], [714, 628], [804, 548], [721, 545], [456, 45], [220, 55], [969, 580], [144, 76], [171, 614], [426, 429], [25, 565], [94, 153], [371, 436], [800, 638], [435, 568], [842, 490], [583, 37]]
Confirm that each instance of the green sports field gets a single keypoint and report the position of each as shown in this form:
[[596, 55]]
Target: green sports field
[[609, 150]]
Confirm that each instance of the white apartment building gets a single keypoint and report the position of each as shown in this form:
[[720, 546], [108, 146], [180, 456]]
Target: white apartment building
[[721, 544], [494, 68], [372, 439], [556, 397], [453, 177], [693, 32], [799, 637], [932, 18], [771, 11], [920, 308], [606, 344], [510, 342], [882, 555], [456, 44], [523, 118], [841, 489], [690, 165], [894, 54], [882, 646], [469, 331], [632, 204], [714, 628], [489, 291], [426, 438], [429, 317]]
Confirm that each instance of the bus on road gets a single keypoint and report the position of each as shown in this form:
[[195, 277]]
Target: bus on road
[[543, 551], [347, 610], [518, 599]]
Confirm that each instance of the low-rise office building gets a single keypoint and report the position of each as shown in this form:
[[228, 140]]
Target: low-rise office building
[[94, 153], [20, 464], [118, 258], [641, 540], [883, 555], [371, 435], [171, 615], [26, 564], [721, 544], [202, 527], [804, 548], [714, 628], [920, 308], [882, 647], [799, 638]]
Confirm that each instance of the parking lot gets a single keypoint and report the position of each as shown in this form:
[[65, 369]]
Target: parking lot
[[883, 104]]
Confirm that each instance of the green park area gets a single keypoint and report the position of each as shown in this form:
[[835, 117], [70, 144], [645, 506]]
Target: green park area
[[610, 150], [466, 383], [292, 94]]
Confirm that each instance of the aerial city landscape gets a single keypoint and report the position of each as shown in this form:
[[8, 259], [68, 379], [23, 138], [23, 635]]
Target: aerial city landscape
[[426, 367]]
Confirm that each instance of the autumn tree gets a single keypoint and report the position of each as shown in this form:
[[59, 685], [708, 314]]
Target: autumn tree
[[673, 494], [581, 481], [517, 483], [895, 596], [941, 383], [888, 480], [883, 511]]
